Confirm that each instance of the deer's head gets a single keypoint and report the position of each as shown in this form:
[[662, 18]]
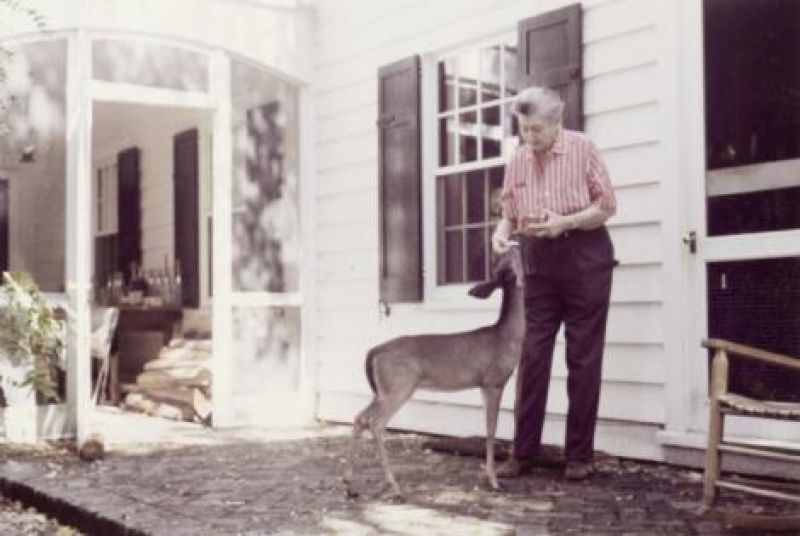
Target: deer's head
[[507, 273]]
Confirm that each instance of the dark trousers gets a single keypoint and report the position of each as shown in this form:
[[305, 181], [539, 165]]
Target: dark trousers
[[568, 280]]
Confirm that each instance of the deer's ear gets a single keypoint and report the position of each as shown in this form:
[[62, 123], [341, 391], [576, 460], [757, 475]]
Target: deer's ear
[[483, 290]]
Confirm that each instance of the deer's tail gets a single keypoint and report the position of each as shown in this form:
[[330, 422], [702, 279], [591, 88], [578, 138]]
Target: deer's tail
[[369, 366]]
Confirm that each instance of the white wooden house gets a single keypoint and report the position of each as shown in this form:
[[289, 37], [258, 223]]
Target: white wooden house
[[397, 116]]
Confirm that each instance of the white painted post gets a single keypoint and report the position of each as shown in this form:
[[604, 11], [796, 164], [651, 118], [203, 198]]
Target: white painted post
[[308, 354], [78, 230], [222, 230]]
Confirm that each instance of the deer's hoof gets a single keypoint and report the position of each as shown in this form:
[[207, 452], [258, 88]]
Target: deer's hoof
[[498, 486], [352, 494], [396, 498]]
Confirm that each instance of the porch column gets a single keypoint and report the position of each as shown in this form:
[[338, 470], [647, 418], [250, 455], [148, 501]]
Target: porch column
[[78, 231], [222, 232], [78, 214]]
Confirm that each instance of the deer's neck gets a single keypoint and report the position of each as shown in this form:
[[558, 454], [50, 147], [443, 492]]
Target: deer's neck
[[512, 314]]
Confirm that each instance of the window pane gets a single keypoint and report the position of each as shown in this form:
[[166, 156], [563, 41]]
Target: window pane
[[454, 256], [468, 139], [475, 196], [490, 73], [495, 190], [491, 132], [266, 349], [757, 302], [753, 118], [447, 141], [452, 202], [476, 254], [149, 64], [754, 212], [468, 78], [447, 81], [265, 187], [510, 58]]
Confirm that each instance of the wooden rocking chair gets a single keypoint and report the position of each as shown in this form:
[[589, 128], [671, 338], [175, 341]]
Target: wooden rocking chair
[[723, 403]]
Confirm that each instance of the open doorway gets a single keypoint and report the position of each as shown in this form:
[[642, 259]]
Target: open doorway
[[151, 215]]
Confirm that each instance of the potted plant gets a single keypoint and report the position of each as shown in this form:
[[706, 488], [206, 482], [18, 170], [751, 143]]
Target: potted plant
[[32, 344]]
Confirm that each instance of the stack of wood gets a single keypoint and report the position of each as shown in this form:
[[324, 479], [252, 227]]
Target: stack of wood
[[177, 384]]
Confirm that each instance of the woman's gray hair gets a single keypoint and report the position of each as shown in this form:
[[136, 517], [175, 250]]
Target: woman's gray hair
[[539, 103]]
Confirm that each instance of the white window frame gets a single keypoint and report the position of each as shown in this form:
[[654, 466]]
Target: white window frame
[[429, 109], [106, 218]]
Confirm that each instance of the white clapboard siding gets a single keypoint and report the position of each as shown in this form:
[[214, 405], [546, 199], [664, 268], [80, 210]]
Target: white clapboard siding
[[157, 212], [358, 234], [621, 104], [637, 283], [611, 19], [637, 244], [344, 208], [624, 127], [621, 52], [345, 99], [631, 363], [358, 149], [621, 89], [335, 266], [638, 203], [618, 400], [623, 438], [430, 26], [635, 363], [351, 122], [633, 164], [343, 180]]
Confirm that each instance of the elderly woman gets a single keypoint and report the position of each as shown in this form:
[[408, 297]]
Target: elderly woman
[[556, 198]]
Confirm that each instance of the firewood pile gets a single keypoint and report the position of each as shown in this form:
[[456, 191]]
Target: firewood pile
[[177, 384]]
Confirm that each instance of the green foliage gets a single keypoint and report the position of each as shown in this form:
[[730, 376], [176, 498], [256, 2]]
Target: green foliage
[[31, 334]]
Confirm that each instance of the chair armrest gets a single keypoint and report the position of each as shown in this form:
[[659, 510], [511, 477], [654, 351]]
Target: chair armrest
[[749, 352]]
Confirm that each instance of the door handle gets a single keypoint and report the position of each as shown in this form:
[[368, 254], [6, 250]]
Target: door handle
[[690, 239]]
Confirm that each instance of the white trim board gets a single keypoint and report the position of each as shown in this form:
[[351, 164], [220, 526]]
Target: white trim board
[[753, 178]]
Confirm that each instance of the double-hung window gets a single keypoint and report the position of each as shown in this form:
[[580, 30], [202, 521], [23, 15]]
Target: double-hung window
[[474, 136]]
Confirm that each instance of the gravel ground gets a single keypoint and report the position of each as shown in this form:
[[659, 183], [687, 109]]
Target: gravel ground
[[293, 486], [16, 519]]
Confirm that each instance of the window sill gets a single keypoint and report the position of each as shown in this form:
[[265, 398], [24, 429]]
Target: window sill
[[457, 299]]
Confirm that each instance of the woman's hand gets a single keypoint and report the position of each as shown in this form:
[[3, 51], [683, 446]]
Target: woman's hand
[[501, 239], [554, 225]]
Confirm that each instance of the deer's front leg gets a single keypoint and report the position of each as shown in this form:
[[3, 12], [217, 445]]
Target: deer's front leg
[[491, 402]]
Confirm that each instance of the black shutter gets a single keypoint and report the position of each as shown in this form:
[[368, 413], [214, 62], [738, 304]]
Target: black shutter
[[187, 206], [551, 55], [129, 248], [400, 177]]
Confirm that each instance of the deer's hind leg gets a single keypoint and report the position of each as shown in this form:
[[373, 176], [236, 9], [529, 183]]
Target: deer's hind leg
[[386, 405], [360, 423]]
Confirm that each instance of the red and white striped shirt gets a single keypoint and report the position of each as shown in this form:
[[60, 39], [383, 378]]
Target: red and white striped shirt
[[568, 178]]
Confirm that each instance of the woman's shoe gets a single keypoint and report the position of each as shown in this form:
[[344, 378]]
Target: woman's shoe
[[514, 468], [578, 470]]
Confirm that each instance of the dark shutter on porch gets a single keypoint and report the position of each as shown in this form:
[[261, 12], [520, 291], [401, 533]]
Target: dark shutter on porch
[[129, 249], [551, 55], [400, 181], [187, 207]]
